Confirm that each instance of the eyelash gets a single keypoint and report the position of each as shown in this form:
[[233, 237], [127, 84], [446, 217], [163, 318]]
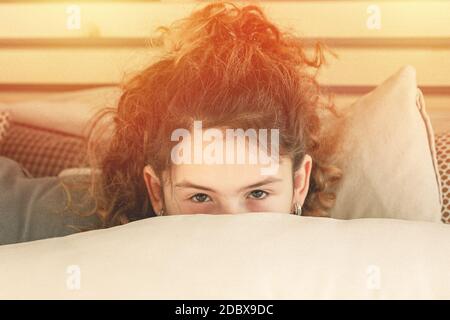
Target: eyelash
[[265, 195], [199, 194]]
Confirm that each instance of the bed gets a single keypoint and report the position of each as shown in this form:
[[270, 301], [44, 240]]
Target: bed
[[378, 245]]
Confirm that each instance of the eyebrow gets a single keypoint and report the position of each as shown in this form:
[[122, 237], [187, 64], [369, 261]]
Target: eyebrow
[[187, 184]]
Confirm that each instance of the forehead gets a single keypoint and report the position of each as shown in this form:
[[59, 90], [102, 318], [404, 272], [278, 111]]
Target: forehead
[[227, 176]]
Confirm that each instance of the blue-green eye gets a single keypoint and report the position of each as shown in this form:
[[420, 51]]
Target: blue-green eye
[[200, 197], [258, 194]]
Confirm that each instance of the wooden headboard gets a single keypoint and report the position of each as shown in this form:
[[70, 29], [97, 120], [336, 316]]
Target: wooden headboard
[[58, 46]]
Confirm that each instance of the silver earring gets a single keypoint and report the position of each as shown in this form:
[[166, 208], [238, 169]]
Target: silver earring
[[161, 212], [297, 209]]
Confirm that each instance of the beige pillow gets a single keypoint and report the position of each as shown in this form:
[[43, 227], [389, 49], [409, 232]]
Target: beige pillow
[[67, 112], [243, 256], [389, 159]]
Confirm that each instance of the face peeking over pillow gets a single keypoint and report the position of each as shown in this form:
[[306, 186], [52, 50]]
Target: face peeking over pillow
[[228, 120]]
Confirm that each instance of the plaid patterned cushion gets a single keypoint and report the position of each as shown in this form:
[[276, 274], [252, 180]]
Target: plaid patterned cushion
[[443, 157], [4, 123], [43, 152]]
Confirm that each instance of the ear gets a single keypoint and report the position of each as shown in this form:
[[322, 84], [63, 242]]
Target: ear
[[301, 180], [154, 188]]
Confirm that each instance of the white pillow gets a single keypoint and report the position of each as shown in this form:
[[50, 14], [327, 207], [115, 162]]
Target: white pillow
[[243, 256]]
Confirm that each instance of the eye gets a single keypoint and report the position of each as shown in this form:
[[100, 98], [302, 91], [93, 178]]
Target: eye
[[200, 197], [258, 194]]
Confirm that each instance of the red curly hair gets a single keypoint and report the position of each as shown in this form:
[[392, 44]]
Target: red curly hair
[[227, 66]]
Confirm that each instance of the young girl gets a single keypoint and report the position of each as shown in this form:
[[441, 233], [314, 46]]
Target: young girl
[[224, 67], [228, 87]]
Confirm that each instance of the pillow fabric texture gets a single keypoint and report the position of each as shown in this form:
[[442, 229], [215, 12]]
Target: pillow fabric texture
[[388, 155], [43, 152], [443, 159], [4, 124]]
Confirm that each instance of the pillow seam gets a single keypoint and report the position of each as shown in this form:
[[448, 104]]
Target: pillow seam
[[420, 103]]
